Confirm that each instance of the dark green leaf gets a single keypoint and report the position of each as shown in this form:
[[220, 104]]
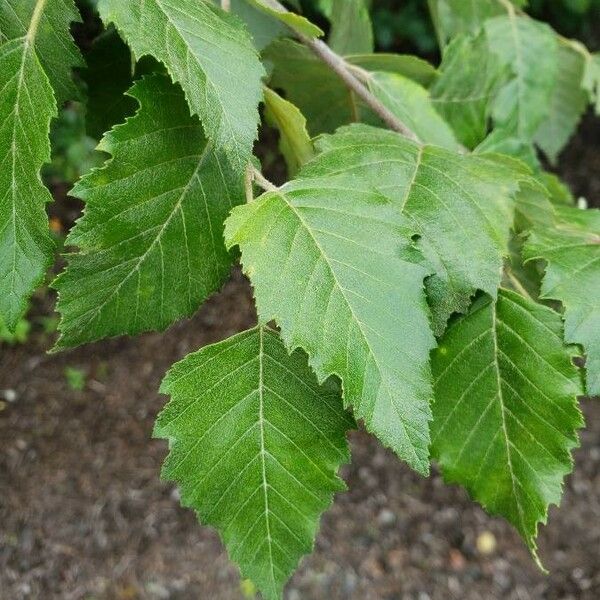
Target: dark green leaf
[[150, 242], [255, 446]]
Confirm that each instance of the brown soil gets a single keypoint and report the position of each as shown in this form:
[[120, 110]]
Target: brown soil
[[84, 516]]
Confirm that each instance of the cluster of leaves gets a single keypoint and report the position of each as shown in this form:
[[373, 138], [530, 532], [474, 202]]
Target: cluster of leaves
[[435, 285]]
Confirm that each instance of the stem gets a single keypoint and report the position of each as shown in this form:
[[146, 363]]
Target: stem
[[248, 181], [341, 69], [36, 17], [261, 180], [344, 71], [519, 287]]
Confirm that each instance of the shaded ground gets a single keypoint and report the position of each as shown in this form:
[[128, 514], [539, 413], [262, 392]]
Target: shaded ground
[[84, 516]]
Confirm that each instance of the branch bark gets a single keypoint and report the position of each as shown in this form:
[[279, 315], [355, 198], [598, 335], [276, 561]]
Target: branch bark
[[261, 180], [337, 64], [344, 71]]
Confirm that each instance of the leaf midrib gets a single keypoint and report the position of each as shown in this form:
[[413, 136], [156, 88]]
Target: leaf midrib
[[507, 442], [263, 451], [358, 322], [140, 260], [224, 114]]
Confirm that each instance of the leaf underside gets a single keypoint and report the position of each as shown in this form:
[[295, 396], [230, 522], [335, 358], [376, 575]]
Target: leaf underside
[[412, 104], [255, 447], [530, 50], [464, 92]]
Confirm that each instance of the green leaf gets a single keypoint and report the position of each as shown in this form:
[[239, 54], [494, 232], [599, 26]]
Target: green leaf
[[503, 141], [591, 80], [321, 95], [524, 278], [568, 102], [351, 27], [559, 192], [36, 55], [533, 207], [505, 411], [411, 103], [466, 87], [150, 241], [325, 257], [294, 141], [52, 42], [455, 17], [440, 192], [296, 22], [572, 253], [530, 49], [413, 67], [255, 446], [210, 53], [313, 87], [263, 27], [108, 76]]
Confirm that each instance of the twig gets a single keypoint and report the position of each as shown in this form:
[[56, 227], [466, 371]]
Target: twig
[[261, 180], [519, 287], [340, 67], [343, 70], [248, 181]]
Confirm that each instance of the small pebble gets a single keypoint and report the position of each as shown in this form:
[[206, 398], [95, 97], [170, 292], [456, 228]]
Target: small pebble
[[386, 517], [486, 543], [9, 395]]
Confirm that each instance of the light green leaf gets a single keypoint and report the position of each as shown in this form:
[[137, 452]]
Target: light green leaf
[[314, 88], [460, 207], [294, 141], [455, 17], [324, 255], [295, 22], [52, 42], [413, 67], [524, 278], [36, 55], [503, 141], [255, 446], [209, 53], [530, 49], [150, 242], [505, 411], [466, 87], [533, 206], [572, 253], [411, 103], [591, 80], [263, 28], [559, 192], [567, 103], [351, 27]]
